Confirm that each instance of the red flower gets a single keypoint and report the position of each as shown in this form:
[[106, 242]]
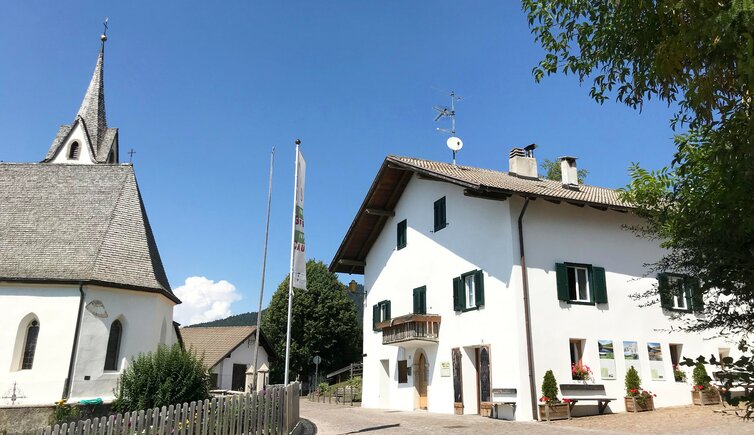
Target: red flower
[[634, 390], [655, 395]]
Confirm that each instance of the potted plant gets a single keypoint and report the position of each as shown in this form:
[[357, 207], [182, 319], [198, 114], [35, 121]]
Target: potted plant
[[678, 374], [637, 399], [551, 408], [581, 372], [702, 392]]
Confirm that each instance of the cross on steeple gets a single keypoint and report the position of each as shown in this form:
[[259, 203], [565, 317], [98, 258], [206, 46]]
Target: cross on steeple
[[131, 155]]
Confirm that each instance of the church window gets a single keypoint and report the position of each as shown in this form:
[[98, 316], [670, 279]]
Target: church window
[[30, 345], [113, 346], [73, 151]]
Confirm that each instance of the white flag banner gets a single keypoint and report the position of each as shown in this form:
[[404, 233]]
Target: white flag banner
[[299, 247]]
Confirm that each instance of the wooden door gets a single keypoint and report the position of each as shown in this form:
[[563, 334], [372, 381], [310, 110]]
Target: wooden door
[[421, 381]]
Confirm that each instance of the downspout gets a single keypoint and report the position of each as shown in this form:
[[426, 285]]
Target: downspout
[[527, 311], [69, 378]]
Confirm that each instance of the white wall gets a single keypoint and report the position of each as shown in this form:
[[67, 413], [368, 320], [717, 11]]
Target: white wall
[[478, 236], [55, 308], [243, 354], [85, 156]]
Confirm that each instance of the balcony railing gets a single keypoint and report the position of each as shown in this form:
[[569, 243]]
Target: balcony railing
[[411, 327]]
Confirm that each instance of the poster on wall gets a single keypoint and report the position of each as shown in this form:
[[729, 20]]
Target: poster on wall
[[631, 355], [655, 361], [607, 359]]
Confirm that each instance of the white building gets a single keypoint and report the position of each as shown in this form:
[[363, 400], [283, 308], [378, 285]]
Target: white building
[[228, 354], [458, 323], [82, 286]]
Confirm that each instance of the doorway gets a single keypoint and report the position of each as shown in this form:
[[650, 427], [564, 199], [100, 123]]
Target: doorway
[[420, 379], [484, 400], [239, 377]]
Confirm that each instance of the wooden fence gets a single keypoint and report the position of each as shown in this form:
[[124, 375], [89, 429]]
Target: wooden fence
[[272, 412], [340, 395]]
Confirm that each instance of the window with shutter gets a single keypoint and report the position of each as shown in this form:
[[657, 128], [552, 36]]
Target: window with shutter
[[375, 316], [380, 313], [401, 237], [581, 283], [679, 292], [420, 300], [468, 291], [440, 217]]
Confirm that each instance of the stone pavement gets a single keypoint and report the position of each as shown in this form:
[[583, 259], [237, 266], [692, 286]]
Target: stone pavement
[[338, 419]]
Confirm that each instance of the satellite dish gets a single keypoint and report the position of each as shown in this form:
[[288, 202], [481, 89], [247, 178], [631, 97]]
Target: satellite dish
[[455, 143]]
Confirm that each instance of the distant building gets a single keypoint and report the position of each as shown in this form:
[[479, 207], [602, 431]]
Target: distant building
[[454, 321], [228, 354], [82, 285]]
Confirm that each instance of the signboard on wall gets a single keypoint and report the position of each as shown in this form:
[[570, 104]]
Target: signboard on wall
[[607, 359], [631, 355], [445, 369], [656, 366]]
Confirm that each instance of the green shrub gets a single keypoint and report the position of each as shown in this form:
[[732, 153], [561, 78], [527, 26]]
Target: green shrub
[[633, 382], [169, 376], [549, 388], [63, 413], [700, 376]]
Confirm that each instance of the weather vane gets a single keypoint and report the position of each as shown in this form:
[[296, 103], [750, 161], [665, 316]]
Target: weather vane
[[455, 144]]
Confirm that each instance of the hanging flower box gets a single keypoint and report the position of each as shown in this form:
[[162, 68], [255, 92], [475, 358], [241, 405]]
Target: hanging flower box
[[701, 395]]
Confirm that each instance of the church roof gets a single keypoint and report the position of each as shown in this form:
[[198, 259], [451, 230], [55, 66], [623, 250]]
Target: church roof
[[213, 343], [77, 223], [92, 115]]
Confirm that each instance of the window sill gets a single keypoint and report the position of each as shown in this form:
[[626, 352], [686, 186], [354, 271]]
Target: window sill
[[471, 309], [679, 310], [580, 303]]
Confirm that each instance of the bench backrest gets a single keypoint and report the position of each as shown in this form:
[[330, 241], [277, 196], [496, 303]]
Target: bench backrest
[[503, 394], [571, 390]]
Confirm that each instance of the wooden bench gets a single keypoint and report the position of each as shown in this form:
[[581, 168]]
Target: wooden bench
[[583, 392], [504, 397]]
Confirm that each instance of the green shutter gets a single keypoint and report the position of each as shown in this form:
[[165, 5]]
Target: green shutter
[[375, 316], [479, 288], [416, 301], [440, 220], [600, 285], [663, 286], [387, 310], [695, 292], [458, 294], [561, 276], [420, 300], [401, 236]]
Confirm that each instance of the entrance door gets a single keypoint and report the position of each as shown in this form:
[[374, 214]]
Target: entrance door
[[483, 380], [239, 377], [421, 381]]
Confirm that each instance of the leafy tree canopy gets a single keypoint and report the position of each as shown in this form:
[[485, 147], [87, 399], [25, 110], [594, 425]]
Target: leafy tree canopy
[[323, 322], [552, 171]]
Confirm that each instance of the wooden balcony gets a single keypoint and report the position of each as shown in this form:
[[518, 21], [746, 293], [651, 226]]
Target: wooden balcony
[[411, 328]]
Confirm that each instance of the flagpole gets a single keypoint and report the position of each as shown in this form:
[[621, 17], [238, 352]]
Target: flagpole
[[290, 275], [264, 267]]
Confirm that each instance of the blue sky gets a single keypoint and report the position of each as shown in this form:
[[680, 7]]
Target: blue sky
[[202, 91]]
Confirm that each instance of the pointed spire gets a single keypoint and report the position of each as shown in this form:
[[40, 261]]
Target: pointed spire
[[92, 110]]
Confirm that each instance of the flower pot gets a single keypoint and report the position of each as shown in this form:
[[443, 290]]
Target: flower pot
[[635, 405], [709, 396], [554, 411], [458, 408]]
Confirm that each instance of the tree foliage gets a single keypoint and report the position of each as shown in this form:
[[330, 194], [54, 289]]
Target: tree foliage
[[323, 322], [552, 171], [549, 387], [633, 381], [169, 376]]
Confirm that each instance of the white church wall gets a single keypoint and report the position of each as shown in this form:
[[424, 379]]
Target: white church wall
[[55, 308], [564, 233], [478, 236], [142, 315], [77, 135]]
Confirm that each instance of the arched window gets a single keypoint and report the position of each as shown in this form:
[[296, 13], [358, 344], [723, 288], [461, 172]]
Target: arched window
[[30, 345], [73, 151], [113, 346]]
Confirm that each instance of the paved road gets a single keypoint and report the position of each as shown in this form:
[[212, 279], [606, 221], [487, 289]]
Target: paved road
[[338, 419]]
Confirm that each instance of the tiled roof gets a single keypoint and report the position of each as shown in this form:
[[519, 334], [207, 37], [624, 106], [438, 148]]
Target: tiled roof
[[502, 181], [77, 223], [215, 342]]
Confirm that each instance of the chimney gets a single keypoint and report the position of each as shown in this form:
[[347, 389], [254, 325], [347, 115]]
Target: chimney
[[568, 173], [522, 162]]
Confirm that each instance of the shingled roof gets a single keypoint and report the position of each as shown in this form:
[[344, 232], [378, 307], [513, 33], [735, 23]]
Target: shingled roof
[[396, 172], [78, 224], [215, 342]]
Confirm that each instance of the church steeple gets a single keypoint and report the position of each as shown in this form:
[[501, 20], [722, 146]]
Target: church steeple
[[88, 140]]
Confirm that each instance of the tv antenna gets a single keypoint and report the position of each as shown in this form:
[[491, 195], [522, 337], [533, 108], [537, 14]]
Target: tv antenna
[[454, 143]]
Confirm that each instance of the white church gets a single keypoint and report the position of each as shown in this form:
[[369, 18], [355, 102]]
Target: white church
[[481, 280], [82, 286]]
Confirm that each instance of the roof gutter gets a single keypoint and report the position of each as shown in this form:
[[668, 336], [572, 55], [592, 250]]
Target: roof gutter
[[527, 311], [69, 378]]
